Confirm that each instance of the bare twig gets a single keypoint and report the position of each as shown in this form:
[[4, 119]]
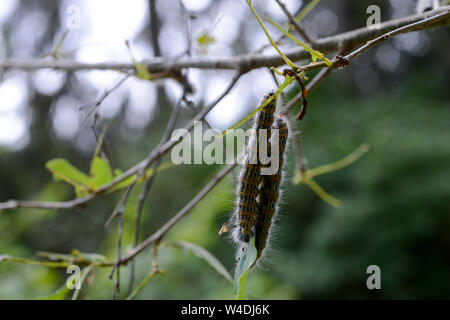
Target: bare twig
[[94, 105], [141, 166], [443, 17], [148, 185], [117, 209], [300, 165], [116, 266], [166, 227], [154, 27], [155, 270], [245, 63], [340, 61], [349, 40], [294, 23], [407, 28], [154, 238], [318, 79]]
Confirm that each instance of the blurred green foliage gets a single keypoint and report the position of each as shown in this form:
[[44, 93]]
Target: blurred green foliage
[[395, 211]]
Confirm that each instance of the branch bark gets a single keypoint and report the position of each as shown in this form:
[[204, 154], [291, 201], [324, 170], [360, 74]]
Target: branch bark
[[418, 25], [243, 63], [156, 154], [350, 40]]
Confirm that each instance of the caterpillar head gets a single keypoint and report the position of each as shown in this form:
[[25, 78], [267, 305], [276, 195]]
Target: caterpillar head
[[271, 106]]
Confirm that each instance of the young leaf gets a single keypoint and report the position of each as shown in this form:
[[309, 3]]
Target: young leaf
[[141, 69], [63, 170], [142, 72], [205, 39], [117, 172], [100, 171], [246, 261]]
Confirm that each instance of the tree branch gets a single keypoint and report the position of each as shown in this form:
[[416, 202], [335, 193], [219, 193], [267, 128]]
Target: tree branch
[[339, 61], [243, 63], [156, 154], [165, 228], [301, 32], [432, 19], [349, 40]]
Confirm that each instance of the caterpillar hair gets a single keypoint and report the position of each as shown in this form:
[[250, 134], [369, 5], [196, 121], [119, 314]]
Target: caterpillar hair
[[269, 192], [250, 178]]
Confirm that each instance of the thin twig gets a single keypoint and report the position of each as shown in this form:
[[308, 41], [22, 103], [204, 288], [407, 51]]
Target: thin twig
[[154, 29], [154, 26], [155, 270], [443, 17], [340, 61], [94, 105], [117, 209], [149, 184], [116, 266], [300, 165], [166, 227], [294, 23], [143, 165], [246, 62], [322, 74], [413, 26]]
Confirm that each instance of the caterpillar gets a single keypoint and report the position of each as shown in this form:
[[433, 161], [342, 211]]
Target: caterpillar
[[250, 178], [270, 188]]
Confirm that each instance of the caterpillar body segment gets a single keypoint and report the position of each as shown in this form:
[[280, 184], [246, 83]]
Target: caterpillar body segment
[[264, 117], [250, 178], [269, 192], [246, 206]]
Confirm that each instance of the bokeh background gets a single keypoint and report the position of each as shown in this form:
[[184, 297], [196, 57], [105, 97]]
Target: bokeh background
[[396, 198]]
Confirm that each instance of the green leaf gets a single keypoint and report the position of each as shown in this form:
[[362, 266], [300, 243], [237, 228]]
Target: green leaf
[[246, 261], [100, 171], [205, 39], [142, 71], [117, 172], [65, 171], [62, 169], [204, 254], [59, 294]]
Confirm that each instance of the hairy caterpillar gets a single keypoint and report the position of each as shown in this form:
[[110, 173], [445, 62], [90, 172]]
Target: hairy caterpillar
[[250, 178], [270, 187]]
